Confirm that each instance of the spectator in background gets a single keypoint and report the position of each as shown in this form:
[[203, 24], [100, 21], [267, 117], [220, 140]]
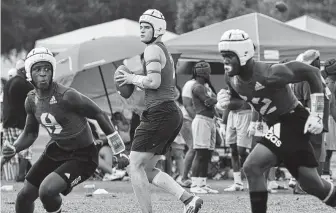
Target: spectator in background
[[239, 131], [203, 128], [14, 114], [302, 92], [330, 137], [11, 73], [179, 145], [3, 83], [188, 116], [106, 160], [123, 127]]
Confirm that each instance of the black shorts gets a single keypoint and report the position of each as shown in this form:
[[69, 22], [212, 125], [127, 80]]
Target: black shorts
[[73, 166], [293, 147], [158, 128]]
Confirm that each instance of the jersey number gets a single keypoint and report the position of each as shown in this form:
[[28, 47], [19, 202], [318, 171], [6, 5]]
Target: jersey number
[[264, 102], [49, 121]]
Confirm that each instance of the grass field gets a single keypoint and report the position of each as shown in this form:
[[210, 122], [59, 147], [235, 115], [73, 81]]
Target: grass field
[[122, 200]]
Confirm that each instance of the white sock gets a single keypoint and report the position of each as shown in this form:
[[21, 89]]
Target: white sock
[[194, 181], [237, 177], [164, 181], [202, 181]]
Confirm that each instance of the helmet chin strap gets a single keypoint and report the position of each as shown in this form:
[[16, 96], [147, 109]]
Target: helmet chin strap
[[151, 41]]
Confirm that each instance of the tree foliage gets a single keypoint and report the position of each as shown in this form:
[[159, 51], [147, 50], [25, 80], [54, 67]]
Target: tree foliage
[[25, 21], [194, 14]]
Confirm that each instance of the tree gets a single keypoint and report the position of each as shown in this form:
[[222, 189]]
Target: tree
[[194, 14], [25, 21]]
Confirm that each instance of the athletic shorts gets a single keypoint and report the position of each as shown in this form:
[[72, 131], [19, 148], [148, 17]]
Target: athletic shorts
[[236, 129], [204, 132], [159, 125], [73, 166], [288, 142]]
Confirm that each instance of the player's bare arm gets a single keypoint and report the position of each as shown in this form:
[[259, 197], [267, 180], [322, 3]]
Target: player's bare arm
[[155, 60], [188, 105], [30, 132], [86, 107], [236, 103], [293, 72], [201, 93]]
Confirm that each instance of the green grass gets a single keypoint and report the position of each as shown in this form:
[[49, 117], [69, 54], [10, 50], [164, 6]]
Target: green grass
[[122, 200]]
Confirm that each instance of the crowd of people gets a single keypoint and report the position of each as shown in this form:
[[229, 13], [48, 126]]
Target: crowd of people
[[269, 115]]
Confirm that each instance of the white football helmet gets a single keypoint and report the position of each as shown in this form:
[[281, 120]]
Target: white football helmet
[[239, 42], [37, 55], [156, 19]]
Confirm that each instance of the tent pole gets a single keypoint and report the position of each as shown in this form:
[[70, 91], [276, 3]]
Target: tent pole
[[107, 97]]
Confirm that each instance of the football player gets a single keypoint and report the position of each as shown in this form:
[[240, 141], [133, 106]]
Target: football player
[[203, 128], [162, 119], [70, 157], [266, 88]]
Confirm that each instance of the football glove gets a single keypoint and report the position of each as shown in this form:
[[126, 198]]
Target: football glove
[[116, 143], [223, 99], [313, 124]]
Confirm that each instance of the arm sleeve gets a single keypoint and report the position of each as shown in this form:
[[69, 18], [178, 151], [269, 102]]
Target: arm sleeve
[[154, 59]]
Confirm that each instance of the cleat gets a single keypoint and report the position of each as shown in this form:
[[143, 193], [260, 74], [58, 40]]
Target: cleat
[[298, 190], [210, 190], [276, 186], [194, 206], [327, 178], [116, 175], [186, 183], [292, 183], [235, 187], [198, 190]]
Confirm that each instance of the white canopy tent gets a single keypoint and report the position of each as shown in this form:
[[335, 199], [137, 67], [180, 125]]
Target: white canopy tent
[[120, 27], [313, 25]]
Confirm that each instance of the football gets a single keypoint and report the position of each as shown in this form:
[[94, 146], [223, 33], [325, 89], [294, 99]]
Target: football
[[281, 6], [126, 90]]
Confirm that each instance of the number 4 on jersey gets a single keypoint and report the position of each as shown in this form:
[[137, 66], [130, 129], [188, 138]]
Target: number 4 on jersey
[[50, 123]]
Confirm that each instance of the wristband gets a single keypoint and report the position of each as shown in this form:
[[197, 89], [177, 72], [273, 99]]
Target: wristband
[[317, 104], [116, 143]]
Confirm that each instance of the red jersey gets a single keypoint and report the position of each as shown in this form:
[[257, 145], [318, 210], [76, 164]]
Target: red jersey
[[60, 122], [270, 102]]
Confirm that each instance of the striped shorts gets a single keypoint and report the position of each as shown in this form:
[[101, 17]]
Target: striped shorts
[[10, 135]]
